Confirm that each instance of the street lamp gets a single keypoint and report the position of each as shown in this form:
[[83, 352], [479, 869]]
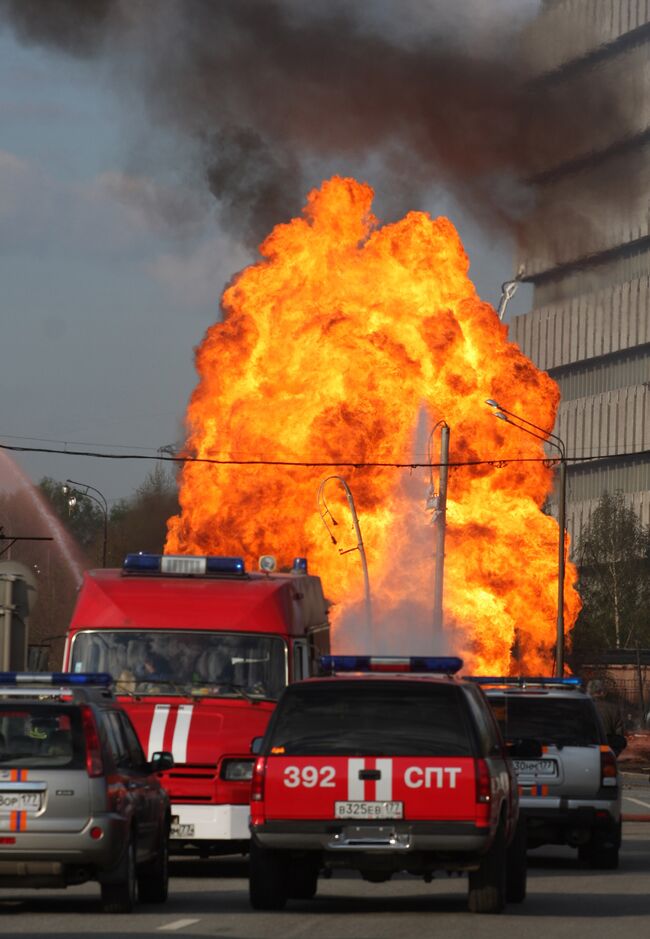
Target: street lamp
[[100, 500], [438, 502], [324, 511], [554, 441]]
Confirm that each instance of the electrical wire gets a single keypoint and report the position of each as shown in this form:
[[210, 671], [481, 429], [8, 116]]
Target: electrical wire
[[499, 462]]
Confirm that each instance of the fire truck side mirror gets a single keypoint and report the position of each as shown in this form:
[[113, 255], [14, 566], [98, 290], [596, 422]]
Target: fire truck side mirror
[[256, 745], [160, 761]]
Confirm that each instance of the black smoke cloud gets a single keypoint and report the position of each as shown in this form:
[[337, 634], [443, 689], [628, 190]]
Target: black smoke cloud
[[257, 91]]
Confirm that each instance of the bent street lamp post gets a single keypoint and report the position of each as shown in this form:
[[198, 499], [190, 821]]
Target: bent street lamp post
[[359, 545], [101, 502], [554, 441]]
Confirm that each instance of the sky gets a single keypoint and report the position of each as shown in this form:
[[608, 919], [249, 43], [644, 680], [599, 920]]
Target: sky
[[111, 272]]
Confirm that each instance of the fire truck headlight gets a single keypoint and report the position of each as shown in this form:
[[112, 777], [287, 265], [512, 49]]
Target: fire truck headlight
[[237, 770]]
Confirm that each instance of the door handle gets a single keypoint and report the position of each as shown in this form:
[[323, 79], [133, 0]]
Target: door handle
[[369, 774]]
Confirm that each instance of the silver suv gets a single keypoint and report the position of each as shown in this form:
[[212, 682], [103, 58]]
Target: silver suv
[[571, 794], [78, 799]]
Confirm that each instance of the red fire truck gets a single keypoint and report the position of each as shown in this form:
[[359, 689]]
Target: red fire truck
[[200, 650]]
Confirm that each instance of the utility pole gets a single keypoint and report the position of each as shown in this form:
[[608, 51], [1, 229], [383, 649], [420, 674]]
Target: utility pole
[[553, 441], [441, 525], [561, 564]]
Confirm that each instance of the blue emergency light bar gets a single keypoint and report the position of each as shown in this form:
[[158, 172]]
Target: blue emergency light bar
[[299, 566], [98, 679], [522, 681], [183, 564], [445, 665]]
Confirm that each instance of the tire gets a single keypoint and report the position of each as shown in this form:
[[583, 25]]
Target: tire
[[517, 864], [601, 851], [487, 885], [120, 896], [268, 878], [303, 879], [153, 877]]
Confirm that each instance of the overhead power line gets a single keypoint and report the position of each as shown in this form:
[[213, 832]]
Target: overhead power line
[[315, 464]]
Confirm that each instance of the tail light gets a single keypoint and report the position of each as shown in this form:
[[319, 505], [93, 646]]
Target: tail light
[[483, 782], [483, 794], [257, 791], [94, 762], [608, 769]]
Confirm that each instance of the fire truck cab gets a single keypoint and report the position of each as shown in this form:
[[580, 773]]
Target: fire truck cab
[[199, 651]]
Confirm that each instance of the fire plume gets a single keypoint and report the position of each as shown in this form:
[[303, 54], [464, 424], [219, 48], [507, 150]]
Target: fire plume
[[345, 345]]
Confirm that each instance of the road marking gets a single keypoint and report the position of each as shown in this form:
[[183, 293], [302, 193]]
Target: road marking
[[637, 802], [180, 924]]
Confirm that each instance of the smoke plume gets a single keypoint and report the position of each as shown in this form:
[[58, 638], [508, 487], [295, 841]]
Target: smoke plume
[[258, 92]]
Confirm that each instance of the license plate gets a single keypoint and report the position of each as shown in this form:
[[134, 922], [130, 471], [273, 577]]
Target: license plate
[[19, 802], [181, 831], [535, 767], [369, 810]]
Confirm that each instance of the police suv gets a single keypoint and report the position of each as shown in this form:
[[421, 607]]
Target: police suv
[[571, 793], [384, 765]]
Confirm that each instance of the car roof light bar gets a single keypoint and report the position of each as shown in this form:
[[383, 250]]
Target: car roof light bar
[[52, 679], [523, 681], [440, 665], [188, 565]]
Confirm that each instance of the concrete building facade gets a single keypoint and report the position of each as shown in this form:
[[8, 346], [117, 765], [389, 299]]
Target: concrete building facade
[[586, 250]]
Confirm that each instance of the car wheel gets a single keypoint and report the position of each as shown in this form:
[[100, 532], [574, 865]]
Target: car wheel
[[517, 864], [303, 879], [153, 877], [487, 885], [120, 896], [268, 878]]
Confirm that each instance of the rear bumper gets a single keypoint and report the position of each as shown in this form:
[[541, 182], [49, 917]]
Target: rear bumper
[[197, 823], [570, 821], [52, 858], [571, 810], [460, 841]]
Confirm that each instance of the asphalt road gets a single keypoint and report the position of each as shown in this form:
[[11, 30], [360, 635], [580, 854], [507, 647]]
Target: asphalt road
[[209, 898]]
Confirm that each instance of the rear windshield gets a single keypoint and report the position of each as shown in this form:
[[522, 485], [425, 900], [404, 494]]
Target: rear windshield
[[372, 718], [40, 736], [561, 721]]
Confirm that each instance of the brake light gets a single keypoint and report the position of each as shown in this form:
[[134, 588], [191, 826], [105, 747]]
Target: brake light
[[483, 810], [94, 762], [608, 769], [483, 782], [257, 791]]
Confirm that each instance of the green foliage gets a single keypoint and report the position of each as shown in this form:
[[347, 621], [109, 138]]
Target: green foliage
[[140, 523], [614, 583]]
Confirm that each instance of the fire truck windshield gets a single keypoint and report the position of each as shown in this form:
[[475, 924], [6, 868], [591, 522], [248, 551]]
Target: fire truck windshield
[[182, 662]]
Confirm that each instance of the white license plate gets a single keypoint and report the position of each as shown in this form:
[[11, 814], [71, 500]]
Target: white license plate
[[369, 810], [535, 767], [19, 802], [182, 831]]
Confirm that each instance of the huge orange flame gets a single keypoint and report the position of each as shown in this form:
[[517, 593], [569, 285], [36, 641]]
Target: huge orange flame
[[331, 350]]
